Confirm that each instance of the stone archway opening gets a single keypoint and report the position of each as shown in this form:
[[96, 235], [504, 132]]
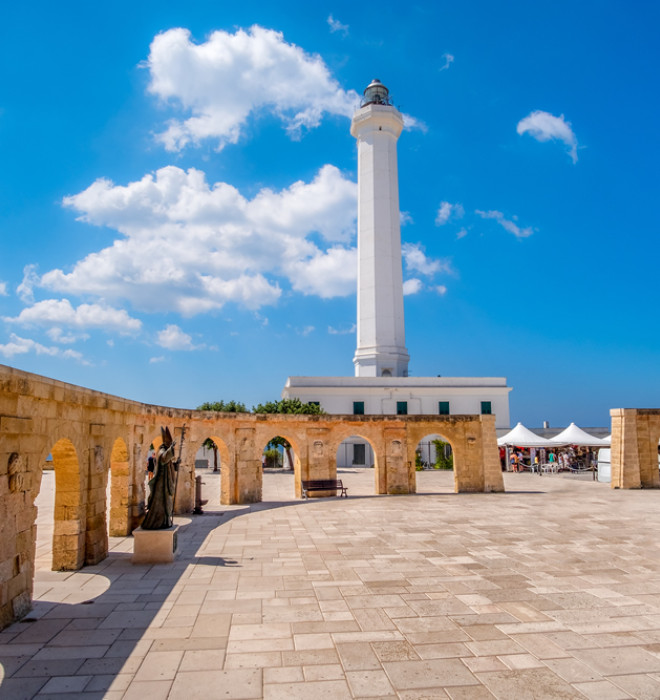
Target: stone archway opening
[[61, 511], [280, 469], [357, 465], [44, 502], [212, 466], [434, 464]]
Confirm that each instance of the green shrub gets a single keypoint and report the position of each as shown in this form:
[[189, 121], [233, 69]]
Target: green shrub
[[443, 461]]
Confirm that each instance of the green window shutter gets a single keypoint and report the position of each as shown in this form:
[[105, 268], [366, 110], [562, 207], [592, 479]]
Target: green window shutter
[[443, 408], [358, 408], [402, 408], [486, 408]]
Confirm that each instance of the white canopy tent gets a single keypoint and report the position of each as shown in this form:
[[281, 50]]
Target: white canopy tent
[[521, 436], [573, 435]]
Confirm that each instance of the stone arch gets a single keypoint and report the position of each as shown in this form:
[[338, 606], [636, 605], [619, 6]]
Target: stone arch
[[447, 430], [70, 508], [224, 458], [429, 463], [373, 438], [275, 429], [474, 448]]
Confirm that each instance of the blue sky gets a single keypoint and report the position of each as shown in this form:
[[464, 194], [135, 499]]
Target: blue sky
[[177, 196]]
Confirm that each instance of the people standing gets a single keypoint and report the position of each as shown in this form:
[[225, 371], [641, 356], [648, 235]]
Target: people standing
[[151, 465]]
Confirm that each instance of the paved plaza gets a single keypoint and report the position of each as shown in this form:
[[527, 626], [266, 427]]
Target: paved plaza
[[550, 590]]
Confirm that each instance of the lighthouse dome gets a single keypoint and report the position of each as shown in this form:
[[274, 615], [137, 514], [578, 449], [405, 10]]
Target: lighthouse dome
[[376, 94]]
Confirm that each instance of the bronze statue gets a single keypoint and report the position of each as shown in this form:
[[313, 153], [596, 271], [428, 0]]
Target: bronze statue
[[160, 506]]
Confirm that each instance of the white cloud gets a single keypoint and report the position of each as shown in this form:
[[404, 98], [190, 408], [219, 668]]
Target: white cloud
[[57, 335], [327, 274], [405, 218], [224, 80], [448, 211], [441, 289], [544, 126], [462, 233], [25, 289], [412, 286], [337, 26], [173, 338], [22, 346], [3, 289], [342, 331], [506, 224], [410, 123], [416, 260], [449, 59], [61, 312], [190, 248], [154, 360], [305, 331]]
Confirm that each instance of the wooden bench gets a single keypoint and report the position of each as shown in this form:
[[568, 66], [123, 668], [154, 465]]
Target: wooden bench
[[323, 485]]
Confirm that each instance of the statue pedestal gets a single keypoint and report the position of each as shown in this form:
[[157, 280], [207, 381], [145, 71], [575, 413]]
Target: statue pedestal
[[154, 546]]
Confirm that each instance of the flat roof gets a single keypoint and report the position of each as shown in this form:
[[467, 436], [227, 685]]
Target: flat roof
[[394, 382]]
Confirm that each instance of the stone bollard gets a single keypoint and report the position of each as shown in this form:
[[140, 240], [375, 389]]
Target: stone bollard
[[198, 496]]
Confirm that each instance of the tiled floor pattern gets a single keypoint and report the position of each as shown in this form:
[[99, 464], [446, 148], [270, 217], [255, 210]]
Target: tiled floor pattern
[[551, 590]]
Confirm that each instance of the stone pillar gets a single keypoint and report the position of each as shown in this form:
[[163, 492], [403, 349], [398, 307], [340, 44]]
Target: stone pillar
[[96, 532], [624, 450], [17, 534], [634, 449], [397, 465], [301, 471], [380, 468], [121, 489], [228, 480], [70, 509], [648, 448], [248, 467], [468, 459], [320, 463], [137, 495], [184, 500], [490, 458]]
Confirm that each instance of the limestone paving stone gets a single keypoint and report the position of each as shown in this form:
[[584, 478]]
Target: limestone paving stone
[[601, 690], [440, 601]]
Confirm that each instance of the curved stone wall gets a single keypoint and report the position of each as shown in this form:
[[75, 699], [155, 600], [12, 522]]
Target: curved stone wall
[[93, 436]]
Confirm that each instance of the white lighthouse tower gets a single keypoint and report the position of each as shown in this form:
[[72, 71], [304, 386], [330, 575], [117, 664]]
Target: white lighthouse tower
[[381, 385], [381, 341]]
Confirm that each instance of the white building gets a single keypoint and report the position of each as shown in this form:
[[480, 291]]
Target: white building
[[381, 384]]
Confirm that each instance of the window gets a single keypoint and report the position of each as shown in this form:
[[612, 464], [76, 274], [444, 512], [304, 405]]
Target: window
[[359, 454], [486, 408], [402, 408], [443, 408], [358, 408]]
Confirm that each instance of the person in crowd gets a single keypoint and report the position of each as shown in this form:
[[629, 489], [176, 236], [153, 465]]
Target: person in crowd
[[151, 464]]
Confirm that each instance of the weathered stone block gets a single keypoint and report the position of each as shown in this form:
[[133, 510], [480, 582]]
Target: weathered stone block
[[154, 546], [15, 424]]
